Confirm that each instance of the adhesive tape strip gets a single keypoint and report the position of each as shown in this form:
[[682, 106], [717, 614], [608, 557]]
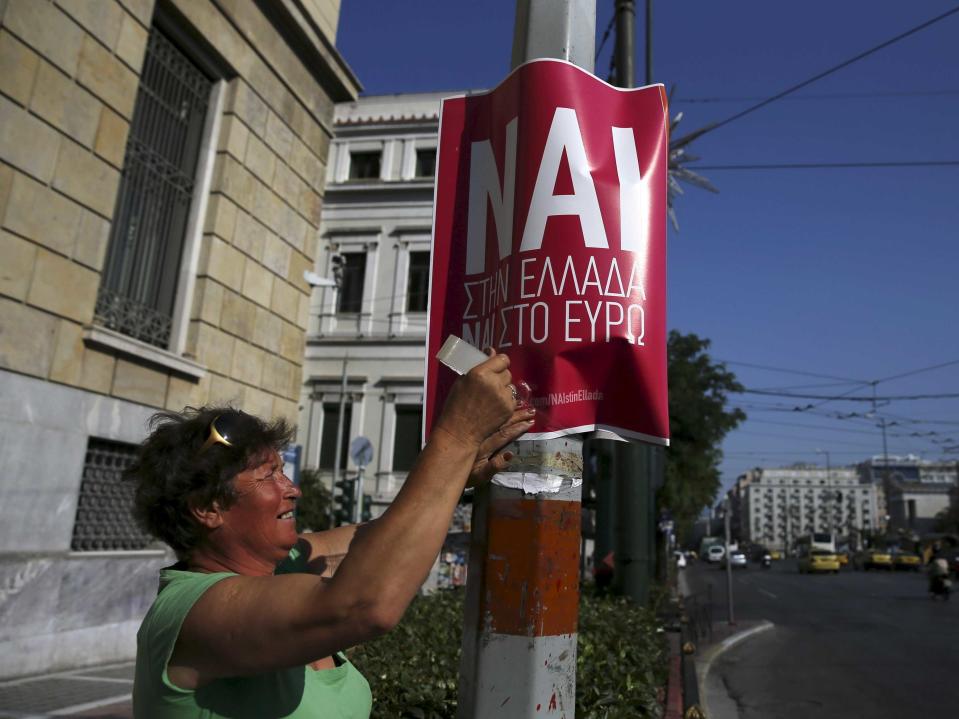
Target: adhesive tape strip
[[459, 355]]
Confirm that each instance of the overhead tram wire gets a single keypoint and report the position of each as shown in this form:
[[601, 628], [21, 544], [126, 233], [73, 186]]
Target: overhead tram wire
[[830, 71], [829, 165], [829, 398], [784, 370], [677, 99]]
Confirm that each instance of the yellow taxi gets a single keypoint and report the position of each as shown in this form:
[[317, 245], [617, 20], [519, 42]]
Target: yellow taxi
[[818, 561], [843, 558], [907, 560], [875, 559], [775, 554]]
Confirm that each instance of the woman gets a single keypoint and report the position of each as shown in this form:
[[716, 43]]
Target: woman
[[252, 621]]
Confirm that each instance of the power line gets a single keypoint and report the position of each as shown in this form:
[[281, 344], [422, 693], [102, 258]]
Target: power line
[[835, 68], [918, 371], [791, 371], [828, 165], [823, 96], [829, 398]]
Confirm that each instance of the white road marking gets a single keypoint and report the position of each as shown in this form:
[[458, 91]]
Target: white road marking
[[67, 711], [768, 594]]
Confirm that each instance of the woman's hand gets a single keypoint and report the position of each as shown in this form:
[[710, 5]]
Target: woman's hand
[[480, 402], [489, 458]]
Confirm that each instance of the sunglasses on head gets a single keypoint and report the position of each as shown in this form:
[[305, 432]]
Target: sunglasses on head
[[222, 429]]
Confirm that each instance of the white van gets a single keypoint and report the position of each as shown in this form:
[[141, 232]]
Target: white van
[[715, 554]]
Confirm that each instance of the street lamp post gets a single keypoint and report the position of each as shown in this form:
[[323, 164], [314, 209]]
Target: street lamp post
[[831, 520]]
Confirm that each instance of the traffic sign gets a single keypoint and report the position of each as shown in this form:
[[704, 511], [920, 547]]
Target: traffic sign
[[361, 451]]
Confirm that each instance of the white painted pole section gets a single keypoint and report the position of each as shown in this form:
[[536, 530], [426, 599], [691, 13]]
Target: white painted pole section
[[522, 604]]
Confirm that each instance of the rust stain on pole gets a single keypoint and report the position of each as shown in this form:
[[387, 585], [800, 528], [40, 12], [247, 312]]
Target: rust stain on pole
[[532, 567]]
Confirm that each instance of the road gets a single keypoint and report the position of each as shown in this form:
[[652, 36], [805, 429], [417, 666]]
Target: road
[[858, 644]]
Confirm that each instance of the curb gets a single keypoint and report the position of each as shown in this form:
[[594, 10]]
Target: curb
[[674, 685], [714, 652]]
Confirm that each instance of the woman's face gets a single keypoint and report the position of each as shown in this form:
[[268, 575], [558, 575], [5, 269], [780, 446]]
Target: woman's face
[[261, 517]]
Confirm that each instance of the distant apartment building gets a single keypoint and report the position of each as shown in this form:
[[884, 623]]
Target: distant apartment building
[[161, 176], [776, 506], [916, 490]]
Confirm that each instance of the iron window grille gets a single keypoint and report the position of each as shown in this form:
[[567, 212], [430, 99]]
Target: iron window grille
[[418, 285], [104, 518], [139, 285]]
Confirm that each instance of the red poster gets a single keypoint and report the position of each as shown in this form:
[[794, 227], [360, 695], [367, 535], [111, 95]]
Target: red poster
[[549, 244]]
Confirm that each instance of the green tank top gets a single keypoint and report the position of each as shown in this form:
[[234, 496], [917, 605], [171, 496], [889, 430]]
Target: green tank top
[[339, 693]]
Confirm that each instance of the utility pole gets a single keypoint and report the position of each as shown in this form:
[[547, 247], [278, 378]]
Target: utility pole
[[729, 564], [636, 469], [649, 42], [522, 593]]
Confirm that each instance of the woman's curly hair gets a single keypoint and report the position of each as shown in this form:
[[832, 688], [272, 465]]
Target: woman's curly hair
[[171, 473]]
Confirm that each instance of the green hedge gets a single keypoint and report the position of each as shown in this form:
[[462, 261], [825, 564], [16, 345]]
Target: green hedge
[[413, 671]]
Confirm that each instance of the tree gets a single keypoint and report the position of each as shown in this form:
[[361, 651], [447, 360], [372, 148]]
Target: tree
[[313, 508], [947, 521], [698, 422]]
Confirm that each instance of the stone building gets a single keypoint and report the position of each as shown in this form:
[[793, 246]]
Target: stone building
[[162, 167], [778, 505], [375, 239]]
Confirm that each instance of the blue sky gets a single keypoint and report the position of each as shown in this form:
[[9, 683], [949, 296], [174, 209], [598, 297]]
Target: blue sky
[[850, 273]]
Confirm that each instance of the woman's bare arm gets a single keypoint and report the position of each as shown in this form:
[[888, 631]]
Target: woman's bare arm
[[248, 625]]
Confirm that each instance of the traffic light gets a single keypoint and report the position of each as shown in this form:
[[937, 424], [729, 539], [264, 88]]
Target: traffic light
[[344, 501], [366, 509]]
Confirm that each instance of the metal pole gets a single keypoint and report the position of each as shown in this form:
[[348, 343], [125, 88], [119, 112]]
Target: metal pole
[[729, 566], [338, 450], [649, 42], [640, 468], [358, 499], [522, 592], [625, 43]]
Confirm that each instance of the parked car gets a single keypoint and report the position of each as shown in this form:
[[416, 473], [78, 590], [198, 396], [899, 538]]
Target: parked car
[[715, 554], [906, 560], [843, 557], [818, 561], [873, 559], [775, 554], [737, 559]]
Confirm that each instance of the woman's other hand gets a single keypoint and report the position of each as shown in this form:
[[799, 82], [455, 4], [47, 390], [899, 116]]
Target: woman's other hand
[[490, 459], [480, 402]]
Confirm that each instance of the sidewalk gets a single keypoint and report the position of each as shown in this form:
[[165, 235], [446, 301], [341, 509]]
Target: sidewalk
[[713, 694], [102, 692]]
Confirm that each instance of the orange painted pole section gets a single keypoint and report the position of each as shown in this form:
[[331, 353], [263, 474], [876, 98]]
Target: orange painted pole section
[[522, 602]]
